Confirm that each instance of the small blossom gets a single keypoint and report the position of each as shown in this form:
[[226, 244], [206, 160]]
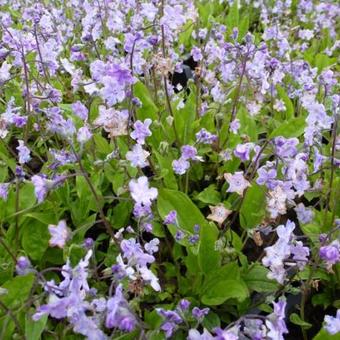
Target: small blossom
[[140, 191], [24, 153], [180, 166], [171, 218], [23, 266], [237, 182], [332, 324], [4, 190], [83, 135], [59, 234], [138, 156], [141, 130], [218, 213]]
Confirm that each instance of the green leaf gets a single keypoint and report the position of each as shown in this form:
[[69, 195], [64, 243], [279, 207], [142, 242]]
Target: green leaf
[[288, 103], [184, 117], [256, 279], [223, 290], [295, 319], [293, 127], [34, 329], [233, 16], [187, 213], [18, 290], [253, 207], [35, 237], [148, 108], [324, 335], [208, 257], [209, 195]]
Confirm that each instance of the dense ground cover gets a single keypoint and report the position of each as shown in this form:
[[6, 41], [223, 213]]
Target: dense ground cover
[[169, 169]]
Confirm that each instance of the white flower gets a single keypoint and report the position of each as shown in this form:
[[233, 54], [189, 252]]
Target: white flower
[[140, 191], [138, 156]]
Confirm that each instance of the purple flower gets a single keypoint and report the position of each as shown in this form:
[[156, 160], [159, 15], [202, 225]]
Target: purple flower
[[235, 125], [80, 110], [194, 334], [23, 266], [172, 319], [24, 152], [4, 191], [237, 182], [179, 235], [138, 156], [141, 130], [205, 137], [188, 152], [88, 243], [196, 54], [275, 321], [332, 324], [59, 234], [184, 304], [199, 314], [40, 187], [330, 253], [83, 135], [134, 253], [242, 151], [118, 312], [286, 148], [140, 191], [304, 214], [180, 166], [266, 177], [171, 217]]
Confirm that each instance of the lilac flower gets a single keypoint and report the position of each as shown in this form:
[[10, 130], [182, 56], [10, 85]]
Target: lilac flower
[[59, 234], [275, 321], [196, 54], [172, 320], [199, 314], [40, 187], [118, 312], [23, 266], [330, 253], [68, 300], [80, 110], [179, 235], [4, 191], [24, 152], [180, 166], [88, 243], [205, 137], [140, 191], [237, 182], [266, 177], [332, 324], [184, 304], [4, 72], [235, 125], [152, 246], [286, 148], [304, 214], [242, 151], [138, 156], [171, 217], [188, 152], [227, 334], [194, 334], [83, 135], [141, 130], [280, 252]]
